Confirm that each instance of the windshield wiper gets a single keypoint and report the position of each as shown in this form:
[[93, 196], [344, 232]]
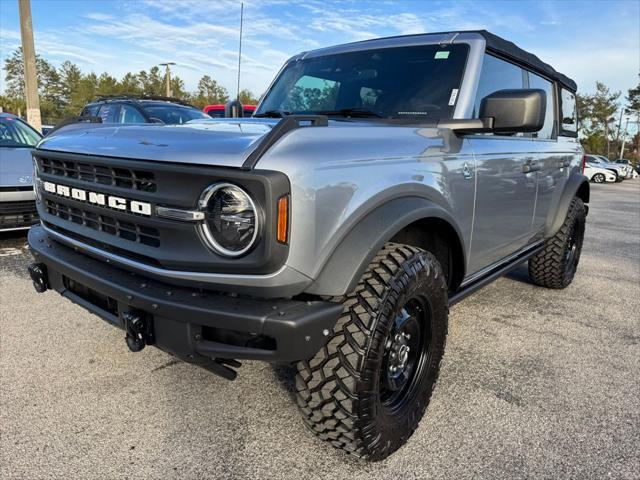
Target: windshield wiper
[[273, 114], [351, 112]]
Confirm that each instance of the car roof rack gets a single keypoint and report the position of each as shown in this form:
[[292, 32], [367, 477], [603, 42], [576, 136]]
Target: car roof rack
[[137, 97]]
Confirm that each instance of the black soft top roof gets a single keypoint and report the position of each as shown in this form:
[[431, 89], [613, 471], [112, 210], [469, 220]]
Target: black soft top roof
[[510, 50], [505, 49]]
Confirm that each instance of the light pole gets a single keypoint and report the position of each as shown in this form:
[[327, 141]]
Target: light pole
[[168, 76], [30, 72]]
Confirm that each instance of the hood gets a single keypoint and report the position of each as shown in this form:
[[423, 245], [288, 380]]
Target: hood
[[16, 167], [225, 142]]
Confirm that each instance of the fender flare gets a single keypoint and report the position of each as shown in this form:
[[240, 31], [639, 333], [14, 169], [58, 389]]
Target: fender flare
[[577, 185], [344, 268]]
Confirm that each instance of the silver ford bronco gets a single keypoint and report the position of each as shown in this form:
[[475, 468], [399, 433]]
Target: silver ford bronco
[[378, 183]]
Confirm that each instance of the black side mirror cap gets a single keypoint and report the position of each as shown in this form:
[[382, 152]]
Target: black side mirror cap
[[515, 110], [468, 125]]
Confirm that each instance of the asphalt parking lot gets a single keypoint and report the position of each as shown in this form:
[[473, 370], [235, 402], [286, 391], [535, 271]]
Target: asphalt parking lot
[[535, 384]]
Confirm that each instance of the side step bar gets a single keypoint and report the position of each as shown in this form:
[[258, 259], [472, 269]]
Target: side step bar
[[493, 273]]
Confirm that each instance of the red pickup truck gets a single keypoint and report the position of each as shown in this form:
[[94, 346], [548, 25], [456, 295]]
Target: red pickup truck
[[217, 111]]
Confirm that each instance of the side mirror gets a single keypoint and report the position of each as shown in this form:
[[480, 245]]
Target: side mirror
[[518, 110]]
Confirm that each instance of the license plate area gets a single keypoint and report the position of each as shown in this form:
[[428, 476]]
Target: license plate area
[[98, 300]]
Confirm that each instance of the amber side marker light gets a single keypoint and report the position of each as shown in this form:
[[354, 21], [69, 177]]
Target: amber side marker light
[[283, 219]]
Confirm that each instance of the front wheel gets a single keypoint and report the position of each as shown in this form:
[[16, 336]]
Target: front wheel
[[599, 178], [556, 264], [368, 388]]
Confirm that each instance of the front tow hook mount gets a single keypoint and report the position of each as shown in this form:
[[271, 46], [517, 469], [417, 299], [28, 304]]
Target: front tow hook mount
[[38, 274], [138, 330]]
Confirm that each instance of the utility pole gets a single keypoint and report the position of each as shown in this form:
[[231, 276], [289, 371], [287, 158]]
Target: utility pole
[[168, 76], [30, 72], [622, 111], [624, 139]]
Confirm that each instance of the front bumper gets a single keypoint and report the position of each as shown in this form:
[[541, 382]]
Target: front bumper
[[197, 326]]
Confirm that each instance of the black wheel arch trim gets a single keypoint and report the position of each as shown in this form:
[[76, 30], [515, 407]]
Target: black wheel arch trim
[[577, 185], [349, 260]]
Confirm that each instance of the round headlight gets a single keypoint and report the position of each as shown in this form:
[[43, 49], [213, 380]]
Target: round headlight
[[232, 220]]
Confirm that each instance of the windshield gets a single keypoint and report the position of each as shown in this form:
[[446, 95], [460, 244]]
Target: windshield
[[173, 114], [401, 82], [15, 133]]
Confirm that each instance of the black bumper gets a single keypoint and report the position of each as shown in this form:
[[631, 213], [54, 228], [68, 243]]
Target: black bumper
[[197, 326]]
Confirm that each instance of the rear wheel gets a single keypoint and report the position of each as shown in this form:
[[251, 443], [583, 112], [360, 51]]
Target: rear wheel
[[368, 388], [556, 265], [599, 178]]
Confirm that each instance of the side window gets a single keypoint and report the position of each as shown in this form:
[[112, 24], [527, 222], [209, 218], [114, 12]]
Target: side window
[[569, 124], [90, 110], [536, 81], [108, 112], [496, 75], [129, 114]]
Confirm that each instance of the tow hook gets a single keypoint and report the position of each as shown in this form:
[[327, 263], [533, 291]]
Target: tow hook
[[138, 331], [38, 274]]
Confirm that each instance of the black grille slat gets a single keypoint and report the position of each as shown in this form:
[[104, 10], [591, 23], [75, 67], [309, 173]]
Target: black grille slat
[[115, 176], [105, 223], [18, 214]]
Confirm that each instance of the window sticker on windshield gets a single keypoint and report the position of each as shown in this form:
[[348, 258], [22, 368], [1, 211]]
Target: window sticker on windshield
[[452, 98], [442, 55]]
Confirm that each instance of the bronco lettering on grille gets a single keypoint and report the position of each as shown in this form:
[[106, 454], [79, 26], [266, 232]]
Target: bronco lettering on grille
[[111, 201]]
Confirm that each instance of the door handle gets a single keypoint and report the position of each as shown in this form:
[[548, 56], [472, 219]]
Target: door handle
[[530, 166]]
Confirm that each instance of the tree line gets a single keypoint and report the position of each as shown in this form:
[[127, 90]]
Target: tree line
[[64, 91], [602, 118]]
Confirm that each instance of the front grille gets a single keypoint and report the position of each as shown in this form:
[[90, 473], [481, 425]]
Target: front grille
[[20, 214], [105, 223], [150, 239], [101, 174]]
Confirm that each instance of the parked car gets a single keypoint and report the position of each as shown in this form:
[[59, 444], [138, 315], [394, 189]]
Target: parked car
[[628, 165], [142, 109], [218, 110], [603, 162], [599, 175], [333, 230], [17, 198]]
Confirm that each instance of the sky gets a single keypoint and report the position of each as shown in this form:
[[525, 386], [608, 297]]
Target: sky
[[586, 40]]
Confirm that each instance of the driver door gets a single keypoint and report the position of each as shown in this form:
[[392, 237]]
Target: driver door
[[505, 177]]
